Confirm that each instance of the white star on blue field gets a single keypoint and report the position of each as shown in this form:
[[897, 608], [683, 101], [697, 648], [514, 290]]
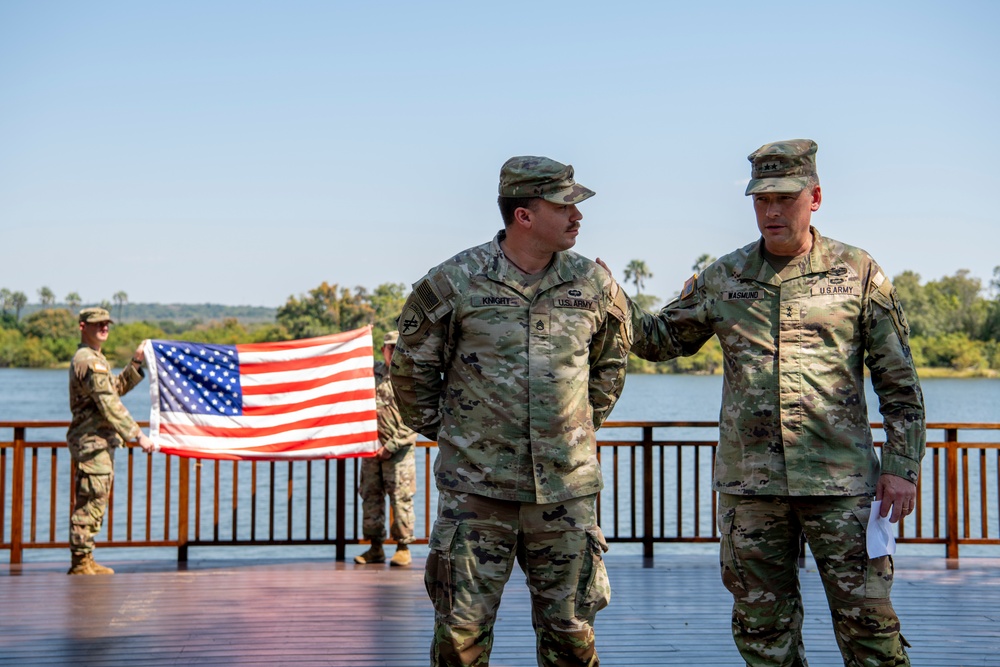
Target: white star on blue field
[[199, 378]]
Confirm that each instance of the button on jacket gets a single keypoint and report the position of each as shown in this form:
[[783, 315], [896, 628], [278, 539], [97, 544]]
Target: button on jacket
[[794, 420]]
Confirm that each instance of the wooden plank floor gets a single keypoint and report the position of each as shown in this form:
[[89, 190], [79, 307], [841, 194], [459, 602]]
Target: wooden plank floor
[[311, 612]]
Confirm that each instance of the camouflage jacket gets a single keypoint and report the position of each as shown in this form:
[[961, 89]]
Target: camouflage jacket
[[394, 435], [794, 419], [513, 387], [100, 421]]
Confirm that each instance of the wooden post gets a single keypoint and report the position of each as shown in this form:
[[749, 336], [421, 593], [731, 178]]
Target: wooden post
[[17, 499], [183, 509], [647, 492], [951, 493], [341, 510]]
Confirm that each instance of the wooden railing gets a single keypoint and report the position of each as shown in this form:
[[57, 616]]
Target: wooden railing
[[656, 491]]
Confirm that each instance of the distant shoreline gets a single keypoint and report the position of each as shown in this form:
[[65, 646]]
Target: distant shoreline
[[927, 372]]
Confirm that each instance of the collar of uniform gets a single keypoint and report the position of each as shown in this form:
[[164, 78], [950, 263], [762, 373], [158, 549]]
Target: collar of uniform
[[756, 268], [821, 257], [81, 346], [500, 267]]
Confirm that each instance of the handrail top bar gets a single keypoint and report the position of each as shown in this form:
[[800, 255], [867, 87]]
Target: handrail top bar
[[657, 424], [47, 423], [986, 426], [989, 426]]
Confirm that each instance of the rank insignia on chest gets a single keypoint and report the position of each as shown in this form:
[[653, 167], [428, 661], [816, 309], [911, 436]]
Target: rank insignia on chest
[[790, 312]]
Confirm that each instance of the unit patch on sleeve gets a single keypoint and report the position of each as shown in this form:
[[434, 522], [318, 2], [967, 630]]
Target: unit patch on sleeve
[[689, 286], [411, 320], [428, 296]]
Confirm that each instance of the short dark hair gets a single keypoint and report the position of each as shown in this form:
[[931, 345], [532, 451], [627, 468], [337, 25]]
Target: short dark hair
[[510, 204]]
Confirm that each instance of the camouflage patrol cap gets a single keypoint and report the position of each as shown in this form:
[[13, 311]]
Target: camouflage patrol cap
[[93, 315], [782, 166], [530, 176], [391, 338]]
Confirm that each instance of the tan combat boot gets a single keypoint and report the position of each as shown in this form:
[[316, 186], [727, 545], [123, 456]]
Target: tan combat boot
[[402, 556], [373, 555], [85, 564]]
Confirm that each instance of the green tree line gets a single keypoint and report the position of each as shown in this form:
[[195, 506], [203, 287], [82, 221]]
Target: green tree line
[[48, 337], [18, 305], [954, 323]]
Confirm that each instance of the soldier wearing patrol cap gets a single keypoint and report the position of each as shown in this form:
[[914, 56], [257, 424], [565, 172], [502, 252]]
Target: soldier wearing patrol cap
[[511, 355], [392, 472], [100, 424], [799, 316]]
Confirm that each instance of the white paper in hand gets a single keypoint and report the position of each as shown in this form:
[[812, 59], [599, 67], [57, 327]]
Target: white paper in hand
[[881, 537]]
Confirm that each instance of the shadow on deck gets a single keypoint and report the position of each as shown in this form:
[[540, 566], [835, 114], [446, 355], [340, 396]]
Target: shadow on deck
[[316, 612]]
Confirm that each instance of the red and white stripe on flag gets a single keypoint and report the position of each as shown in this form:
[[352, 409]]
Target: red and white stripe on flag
[[303, 399]]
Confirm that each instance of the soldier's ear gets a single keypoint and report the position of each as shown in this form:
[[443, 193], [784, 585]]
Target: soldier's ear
[[523, 217], [817, 199]]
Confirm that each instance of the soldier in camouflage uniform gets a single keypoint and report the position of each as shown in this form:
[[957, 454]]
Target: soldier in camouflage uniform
[[798, 317], [391, 472], [100, 424], [511, 355]]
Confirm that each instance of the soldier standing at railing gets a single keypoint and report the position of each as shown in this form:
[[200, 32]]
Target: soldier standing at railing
[[798, 317], [392, 471], [100, 424]]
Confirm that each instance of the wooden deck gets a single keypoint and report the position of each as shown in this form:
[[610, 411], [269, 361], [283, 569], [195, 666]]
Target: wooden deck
[[312, 612]]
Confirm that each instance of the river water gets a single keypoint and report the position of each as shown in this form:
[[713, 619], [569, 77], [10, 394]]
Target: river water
[[43, 394], [29, 394]]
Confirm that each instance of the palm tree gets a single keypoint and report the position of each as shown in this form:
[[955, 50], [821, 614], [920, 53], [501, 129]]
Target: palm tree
[[73, 300], [120, 299], [5, 295], [18, 300], [702, 263], [637, 272], [46, 297]]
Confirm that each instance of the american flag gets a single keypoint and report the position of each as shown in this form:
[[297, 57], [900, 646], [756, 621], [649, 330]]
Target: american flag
[[300, 399]]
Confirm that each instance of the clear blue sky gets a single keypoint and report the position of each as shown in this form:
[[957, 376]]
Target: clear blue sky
[[240, 152]]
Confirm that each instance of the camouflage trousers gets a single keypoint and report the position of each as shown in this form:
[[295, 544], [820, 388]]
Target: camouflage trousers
[[397, 478], [92, 493], [473, 546], [759, 553]]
